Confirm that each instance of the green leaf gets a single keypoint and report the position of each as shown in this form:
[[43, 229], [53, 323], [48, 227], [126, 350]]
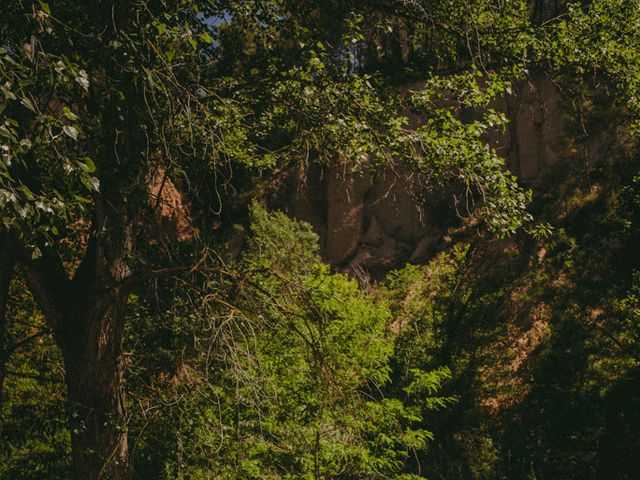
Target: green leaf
[[86, 182], [45, 7], [82, 199], [28, 193], [71, 131], [83, 79], [28, 103], [91, 167], [69, 114], [8, 93]]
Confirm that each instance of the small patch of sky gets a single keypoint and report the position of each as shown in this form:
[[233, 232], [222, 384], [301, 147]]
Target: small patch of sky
[[214, 21], [351, 56]]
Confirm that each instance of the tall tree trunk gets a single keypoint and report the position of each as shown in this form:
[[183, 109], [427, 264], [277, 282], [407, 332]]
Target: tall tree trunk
[[87, 316], [7, 265], [95, 386]]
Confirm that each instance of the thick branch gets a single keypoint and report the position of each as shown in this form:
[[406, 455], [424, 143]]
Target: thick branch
[[48, 282], [7, 264]]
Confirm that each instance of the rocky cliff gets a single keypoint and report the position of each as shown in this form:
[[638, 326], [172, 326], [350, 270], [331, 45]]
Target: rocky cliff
[[373, 221]]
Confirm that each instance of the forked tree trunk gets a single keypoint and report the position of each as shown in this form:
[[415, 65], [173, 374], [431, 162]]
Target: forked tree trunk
[[95, 385], [86, 313], [87, 317], [7, 263]]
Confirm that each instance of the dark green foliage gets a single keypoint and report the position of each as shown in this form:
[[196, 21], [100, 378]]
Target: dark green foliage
[[34, 439], [542, 340]]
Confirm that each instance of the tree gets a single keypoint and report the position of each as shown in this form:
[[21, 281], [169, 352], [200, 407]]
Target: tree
[[287, 373], [97, 98]]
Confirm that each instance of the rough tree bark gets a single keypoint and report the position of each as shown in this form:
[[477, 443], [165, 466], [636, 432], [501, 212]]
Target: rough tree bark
[[87, 316], [95, 386], [7, 265]]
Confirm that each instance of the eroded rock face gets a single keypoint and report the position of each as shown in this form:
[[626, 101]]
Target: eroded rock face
[[373, 222], [537, 130], [345, 215], [169, 205], [364, 220]]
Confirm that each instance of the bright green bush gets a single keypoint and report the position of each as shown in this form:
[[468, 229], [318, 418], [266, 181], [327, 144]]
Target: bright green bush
[[305, 389]]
